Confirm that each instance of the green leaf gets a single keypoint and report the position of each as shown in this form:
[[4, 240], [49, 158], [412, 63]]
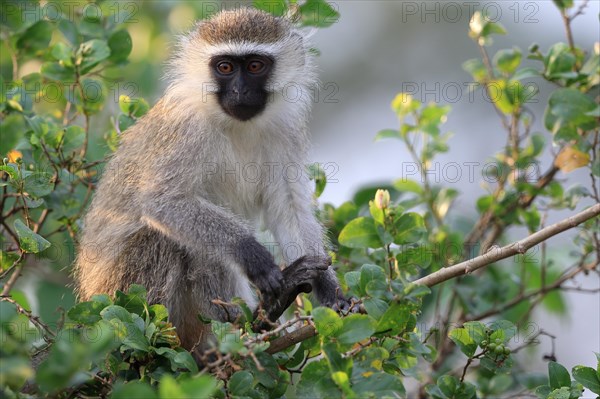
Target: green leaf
[[92, 53], [133, 302], [510, 96], [563, 4], [134, 389], [353, 282], [56, 71], [416, 256], [36, 37], [404, 104], [185, 360], [14, 373], [92, 95], [116, 312], [341, 380], [38, 184], [379, 385], [317, 174], [388, 134], [375, 307], [269, 376], [327, 321], [240, 383], [560, 393], [360, 233], [461, 337], [476, 330], [73, 139], [503, 329], [135, 337], [369, 274], [499, 384], [543, 391], [508, 60], [12, 170], [448, 385], [587, 377], [535, 145], [7, 259], [377, 214], [480, 27], [431, 117], [393, 321], [356, 327], [200, 387], [526, 73], [28, 240], [159, 312], [125, 122], [86, 313], [120, 46], [318, 13], [560, 62], [316, 382], [61, 52], [406, 185], [333, 354], [476, 68], [69, 31], [531, 217], [558, 376], [410, 228], [566, 111]]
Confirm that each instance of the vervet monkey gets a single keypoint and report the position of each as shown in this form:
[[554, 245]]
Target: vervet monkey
[[176, 208]]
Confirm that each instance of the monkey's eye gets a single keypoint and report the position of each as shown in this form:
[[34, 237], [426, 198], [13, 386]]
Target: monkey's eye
[[225, 67], [255, 66]]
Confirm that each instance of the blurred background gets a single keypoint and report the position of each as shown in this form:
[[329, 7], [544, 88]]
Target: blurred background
[[375, 50]]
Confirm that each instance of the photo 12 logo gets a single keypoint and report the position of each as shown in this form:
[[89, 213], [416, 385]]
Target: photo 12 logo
[[116, 12]]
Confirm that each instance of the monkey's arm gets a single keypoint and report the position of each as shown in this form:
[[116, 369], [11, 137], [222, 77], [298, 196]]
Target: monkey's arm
[[214, 233], [291, 219]]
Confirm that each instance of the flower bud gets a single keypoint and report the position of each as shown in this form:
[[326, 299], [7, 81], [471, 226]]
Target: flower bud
[[382, 199], [14, 156]]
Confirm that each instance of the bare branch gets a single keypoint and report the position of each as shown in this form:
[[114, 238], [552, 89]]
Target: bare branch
[[519, 247], [284, 342]]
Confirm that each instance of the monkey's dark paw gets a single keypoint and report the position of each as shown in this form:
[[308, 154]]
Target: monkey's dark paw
[[271, 284], [346, 305], [306, 268]]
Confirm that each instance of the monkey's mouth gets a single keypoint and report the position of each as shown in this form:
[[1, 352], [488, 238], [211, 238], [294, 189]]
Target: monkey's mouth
[[243, 111]]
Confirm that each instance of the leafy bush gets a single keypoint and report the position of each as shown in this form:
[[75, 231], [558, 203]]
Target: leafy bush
[[401, 251]]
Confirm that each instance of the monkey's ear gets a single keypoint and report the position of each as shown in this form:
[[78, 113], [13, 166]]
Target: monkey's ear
[[298, 41]]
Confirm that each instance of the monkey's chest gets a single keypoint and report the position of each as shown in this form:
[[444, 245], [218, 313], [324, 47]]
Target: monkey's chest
[[240, 174]]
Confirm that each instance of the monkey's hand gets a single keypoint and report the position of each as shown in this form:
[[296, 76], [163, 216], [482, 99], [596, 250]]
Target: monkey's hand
[[330, 294], [345, 305], [297, 278], [260, 268]]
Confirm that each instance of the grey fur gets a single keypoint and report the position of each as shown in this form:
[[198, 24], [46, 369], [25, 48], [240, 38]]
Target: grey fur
[[175, 211]]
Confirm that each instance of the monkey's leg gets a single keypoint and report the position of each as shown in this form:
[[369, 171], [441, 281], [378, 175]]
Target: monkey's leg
[[160, 264]]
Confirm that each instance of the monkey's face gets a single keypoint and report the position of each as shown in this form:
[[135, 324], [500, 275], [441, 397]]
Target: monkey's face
[[242, 83]]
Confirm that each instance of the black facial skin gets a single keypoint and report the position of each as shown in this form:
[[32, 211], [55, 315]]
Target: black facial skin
[[242, 82]]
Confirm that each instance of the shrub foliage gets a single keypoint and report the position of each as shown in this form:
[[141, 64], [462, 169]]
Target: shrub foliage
[[452, 336]]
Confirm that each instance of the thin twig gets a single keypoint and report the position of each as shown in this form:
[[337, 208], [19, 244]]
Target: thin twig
[[543, 290], [46, 332], [519, 247]]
